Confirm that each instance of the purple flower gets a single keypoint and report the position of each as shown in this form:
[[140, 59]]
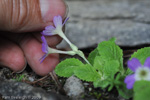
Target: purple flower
[[51, 30], [44, 48], [141, 72]]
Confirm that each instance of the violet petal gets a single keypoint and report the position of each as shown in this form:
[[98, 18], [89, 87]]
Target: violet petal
[[44, 45], [44, 48], [57, 21], [129, 80], [50, 27], [43, 57], [43, 39], [65, 21], [147, 62], [133, 64], [48, 30]]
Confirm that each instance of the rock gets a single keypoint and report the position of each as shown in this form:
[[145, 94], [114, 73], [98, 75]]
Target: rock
[[93, 21], [74, 87], [11, 90]]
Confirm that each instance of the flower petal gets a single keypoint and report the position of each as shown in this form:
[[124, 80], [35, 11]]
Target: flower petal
[[43, 57], [65, 21], [129, 80], [49, 27], [44, 45], [57, 20], [48, 31], [43, 39], [133, 64], [147, 62], [44, 48]]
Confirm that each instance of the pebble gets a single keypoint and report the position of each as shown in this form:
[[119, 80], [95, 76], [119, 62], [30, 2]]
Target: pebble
[[31, 79], [74, 88]]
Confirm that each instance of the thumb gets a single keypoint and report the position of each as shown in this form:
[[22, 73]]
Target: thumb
[[29, 15]]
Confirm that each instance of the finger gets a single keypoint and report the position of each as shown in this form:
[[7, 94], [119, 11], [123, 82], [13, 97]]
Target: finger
[[52, 41], [11, 55], [32, 50]]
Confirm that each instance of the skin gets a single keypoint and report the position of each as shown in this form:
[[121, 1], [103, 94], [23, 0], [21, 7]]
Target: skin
[[21, 22]]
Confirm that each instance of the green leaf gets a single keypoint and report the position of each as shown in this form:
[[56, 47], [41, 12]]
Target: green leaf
[[67, 67], [141, 90], [142, 54], [99, 64], [124, 92], [111, 68], [121, 87], [92, 56], [104, 84], [107, 70], [108, 50], [111, 87], [128, 71], [87, 73], [101, 83]]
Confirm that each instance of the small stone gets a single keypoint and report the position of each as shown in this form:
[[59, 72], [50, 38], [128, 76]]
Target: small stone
[[74, 87], [86, 84], [31, 79], [90, 89]]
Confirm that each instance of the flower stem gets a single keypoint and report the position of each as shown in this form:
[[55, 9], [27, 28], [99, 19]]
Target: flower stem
[[73, 47], [61, 34], [80, 53], [61, 52], [86, 60]]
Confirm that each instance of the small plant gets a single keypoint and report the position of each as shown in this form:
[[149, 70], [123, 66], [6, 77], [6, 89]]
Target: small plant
[[104, 66], [19, 77], [97, 95]]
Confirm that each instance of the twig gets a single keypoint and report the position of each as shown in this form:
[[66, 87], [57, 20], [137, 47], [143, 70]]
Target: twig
[[59, 86], [54, 77], [37, 80]]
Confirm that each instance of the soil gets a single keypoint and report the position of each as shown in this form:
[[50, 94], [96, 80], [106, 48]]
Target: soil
[[48, 84]]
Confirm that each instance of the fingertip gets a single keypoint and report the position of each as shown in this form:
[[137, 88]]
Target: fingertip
[[47, 65], [11, 55], [32, 49], [52, 41], [17, 65]]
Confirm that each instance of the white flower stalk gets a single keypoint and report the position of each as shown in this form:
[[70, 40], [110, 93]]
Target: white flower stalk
[[47, 50]]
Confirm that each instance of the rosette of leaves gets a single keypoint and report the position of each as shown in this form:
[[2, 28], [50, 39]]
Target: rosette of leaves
[[105, 69]]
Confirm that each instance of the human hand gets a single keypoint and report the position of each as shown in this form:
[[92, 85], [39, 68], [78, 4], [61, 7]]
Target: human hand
[[20, 40]]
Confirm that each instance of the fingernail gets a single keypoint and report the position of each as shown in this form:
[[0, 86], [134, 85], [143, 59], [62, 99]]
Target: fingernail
[[51, 8], [44, 6]]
